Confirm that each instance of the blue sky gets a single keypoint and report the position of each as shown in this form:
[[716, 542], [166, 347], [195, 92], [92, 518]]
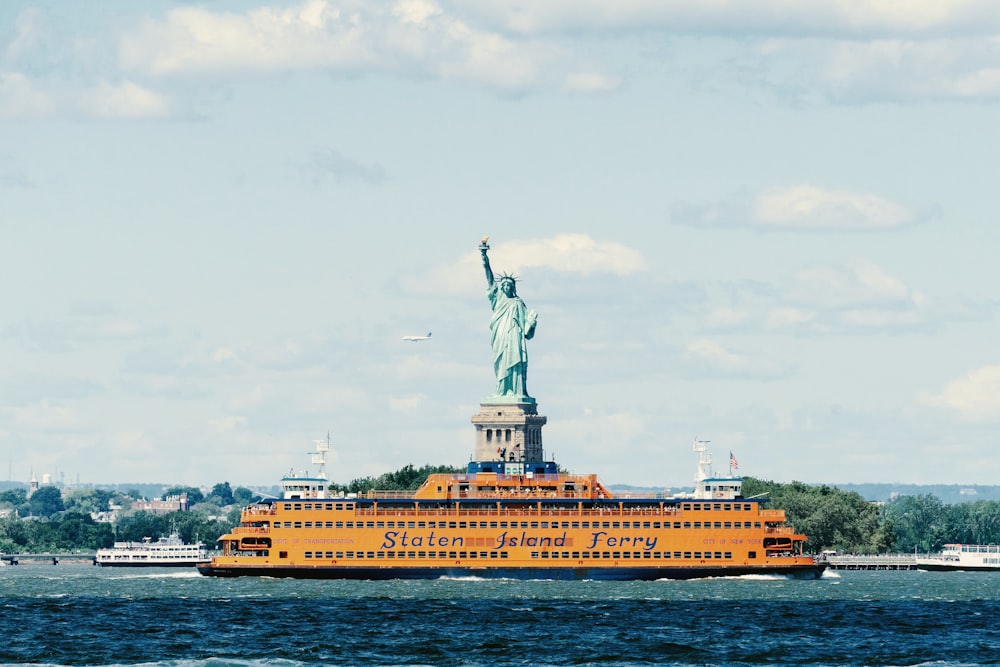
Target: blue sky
[[768, 225]]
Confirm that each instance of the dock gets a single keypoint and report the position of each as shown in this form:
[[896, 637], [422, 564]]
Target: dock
[[877, 562], [54, 559]]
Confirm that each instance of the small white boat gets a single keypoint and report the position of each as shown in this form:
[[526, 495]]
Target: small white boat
[[165, 552], [975, 557]]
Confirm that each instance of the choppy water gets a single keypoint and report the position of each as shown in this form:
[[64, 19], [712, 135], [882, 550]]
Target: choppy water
[[82, 615]]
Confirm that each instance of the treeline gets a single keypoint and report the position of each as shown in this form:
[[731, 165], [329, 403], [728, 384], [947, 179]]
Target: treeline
[[407, 478], [50, 521], [846, 522], [830, 517]]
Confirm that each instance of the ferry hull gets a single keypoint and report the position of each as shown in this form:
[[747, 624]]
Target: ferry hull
[[519, 573], [172, 565], [944, 567]]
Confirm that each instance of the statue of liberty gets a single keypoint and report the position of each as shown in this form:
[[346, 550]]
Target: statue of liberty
[[511, 326]]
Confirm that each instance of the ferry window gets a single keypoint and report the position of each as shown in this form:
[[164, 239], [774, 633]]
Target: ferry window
[[390, 554], [545, 554], [585, 524], [718, 524], [697, 554], [756, 524], [728, 554], [298, 524], [421, 524], [370, 554], [686, 506], [288, 524], [350, 554], [717, 506], [282, 554], [452, 554], [696, 507], [421, 554], [503, 524], [687, 554], [462, 554], [565, 554], [380, 524], [309, 524], [606, 554], [576, 554], [493, 554], [728, 524], [329, 524], [751, 554], [565, 524], [534, 554], [534, 524], [605, 524], [616, 554], [697, 524], [746, 507], [309, 554], [370, 524], [503, 554], [411, 524], [645, 524], [329, 554], [350, 524], [483, 554], [433, 554], [575, 524], [452, 524], [462, 524], [339, 524], [737, 507], [340, 554], [746, 524], [718, 554], [493, 524], [349, 506], [586, 554], [411, 554], [646, 554], [287, 506]]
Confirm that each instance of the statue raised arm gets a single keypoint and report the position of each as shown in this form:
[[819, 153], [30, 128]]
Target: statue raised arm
[[511, 326]]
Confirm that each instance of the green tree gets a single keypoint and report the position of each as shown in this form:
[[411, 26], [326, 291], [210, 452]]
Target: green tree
[[243, 496], [46, 501], [830, 517], [222, 494], [920, 522], [14, 497]]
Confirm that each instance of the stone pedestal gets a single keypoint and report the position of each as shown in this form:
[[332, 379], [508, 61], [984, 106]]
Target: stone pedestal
[[508, 430]]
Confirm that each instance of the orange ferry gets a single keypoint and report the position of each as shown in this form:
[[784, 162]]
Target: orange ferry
[[517, 519]]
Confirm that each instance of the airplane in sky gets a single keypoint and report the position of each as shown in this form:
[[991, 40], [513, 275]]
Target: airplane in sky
[[414, 339]]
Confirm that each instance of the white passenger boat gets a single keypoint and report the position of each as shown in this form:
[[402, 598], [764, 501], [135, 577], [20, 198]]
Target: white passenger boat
[[165, 552], [979, 557]]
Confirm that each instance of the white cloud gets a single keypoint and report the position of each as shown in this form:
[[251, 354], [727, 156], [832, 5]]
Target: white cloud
[[965, 67], [123, 100], [976, 396], [413, 36], [571, 253], [20, 97], [809, 207], [707, 357], [591, 82], [742, 17], [802, 207], [565, 253]]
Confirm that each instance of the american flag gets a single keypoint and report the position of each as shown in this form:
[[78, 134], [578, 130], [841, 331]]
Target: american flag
[[733, 463]]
